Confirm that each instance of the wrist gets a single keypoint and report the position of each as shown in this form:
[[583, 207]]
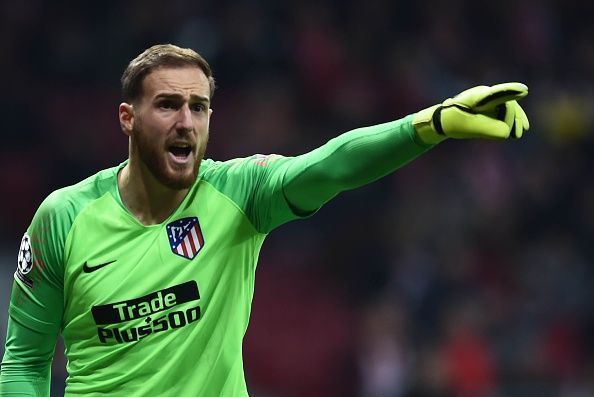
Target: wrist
[[425, 128]]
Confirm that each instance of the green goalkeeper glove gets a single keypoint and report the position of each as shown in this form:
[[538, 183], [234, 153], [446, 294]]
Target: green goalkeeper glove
[[479, 112]]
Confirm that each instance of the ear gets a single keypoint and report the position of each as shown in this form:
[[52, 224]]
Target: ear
[[126, 114]]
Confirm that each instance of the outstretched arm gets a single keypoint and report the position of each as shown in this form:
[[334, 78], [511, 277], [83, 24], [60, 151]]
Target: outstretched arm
[[366, 154], [348, 161]]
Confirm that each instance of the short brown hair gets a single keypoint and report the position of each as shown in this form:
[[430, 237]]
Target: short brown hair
[[159, 56]]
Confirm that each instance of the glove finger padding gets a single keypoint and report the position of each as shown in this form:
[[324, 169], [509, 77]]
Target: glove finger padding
[[500, 94], [517, 120], [483, 98], [523, 118]]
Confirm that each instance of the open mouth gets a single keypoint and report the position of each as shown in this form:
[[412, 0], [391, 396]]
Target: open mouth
[[180, 153]]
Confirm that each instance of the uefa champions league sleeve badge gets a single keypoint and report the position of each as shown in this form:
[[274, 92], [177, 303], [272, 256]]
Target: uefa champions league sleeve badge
[[25, 261]]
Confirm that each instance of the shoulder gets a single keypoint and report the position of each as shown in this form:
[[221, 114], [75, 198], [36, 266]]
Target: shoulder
[[68, 201], [46, 236], [211, 169]]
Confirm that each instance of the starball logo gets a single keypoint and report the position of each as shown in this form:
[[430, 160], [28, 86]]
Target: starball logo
[[135, 319], [25, 261]]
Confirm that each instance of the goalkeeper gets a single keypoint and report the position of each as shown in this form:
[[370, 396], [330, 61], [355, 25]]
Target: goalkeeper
[[147, 268]]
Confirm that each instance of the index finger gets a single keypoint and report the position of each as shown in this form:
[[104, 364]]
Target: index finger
[[501, 93]]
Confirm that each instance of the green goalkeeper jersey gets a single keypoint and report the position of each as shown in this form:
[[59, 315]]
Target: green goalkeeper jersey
[[162, 310]]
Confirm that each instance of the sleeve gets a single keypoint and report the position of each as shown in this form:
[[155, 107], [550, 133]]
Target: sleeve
[[36, 305], [273, 189], [348, 161], [27, 361]]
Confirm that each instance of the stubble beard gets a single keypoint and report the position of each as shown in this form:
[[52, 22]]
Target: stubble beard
[[156, 162]]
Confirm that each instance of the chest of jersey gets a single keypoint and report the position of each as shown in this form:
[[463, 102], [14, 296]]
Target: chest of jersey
[[125, 282]]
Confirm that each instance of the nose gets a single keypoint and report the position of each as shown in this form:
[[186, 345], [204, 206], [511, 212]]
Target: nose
[[185, 121]]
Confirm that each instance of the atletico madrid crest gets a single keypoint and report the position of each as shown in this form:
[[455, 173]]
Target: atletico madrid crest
[[185, 237]]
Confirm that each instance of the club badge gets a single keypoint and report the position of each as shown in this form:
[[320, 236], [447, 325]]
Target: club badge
[[185, 237]]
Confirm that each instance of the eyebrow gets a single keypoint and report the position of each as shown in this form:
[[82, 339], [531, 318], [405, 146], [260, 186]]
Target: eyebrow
[[197, 98]]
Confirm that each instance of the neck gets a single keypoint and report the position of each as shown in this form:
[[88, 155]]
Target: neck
[[145, 197]]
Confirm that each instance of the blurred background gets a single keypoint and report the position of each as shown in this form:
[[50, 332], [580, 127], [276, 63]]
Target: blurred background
[[467, 273]]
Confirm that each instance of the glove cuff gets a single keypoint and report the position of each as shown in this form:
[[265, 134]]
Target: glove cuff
[[425, 125]]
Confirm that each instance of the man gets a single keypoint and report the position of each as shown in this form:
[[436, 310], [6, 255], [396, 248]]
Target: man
[[147, 269]]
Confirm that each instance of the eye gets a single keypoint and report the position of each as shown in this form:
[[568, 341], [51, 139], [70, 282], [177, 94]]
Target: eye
[[198, 107], [167, 104]]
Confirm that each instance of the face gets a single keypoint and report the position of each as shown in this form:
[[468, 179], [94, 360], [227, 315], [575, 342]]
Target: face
[[168, 127]]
